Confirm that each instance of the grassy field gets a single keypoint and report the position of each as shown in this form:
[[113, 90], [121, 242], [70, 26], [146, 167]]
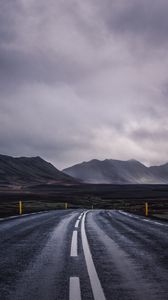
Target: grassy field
[[130, 198]]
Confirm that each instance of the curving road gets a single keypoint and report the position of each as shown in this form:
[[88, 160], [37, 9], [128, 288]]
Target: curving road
[[76, 255]]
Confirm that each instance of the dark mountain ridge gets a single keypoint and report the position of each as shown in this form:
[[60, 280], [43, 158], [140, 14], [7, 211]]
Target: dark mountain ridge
[[30, 170], [110, 171]]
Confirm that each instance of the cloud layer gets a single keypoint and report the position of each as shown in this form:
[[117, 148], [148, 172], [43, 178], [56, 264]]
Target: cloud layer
[[84, 79]]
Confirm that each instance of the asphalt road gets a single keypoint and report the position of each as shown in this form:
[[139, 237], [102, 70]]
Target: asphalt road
[[76, 255]]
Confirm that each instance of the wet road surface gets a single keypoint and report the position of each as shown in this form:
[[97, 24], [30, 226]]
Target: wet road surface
[[73, 254]]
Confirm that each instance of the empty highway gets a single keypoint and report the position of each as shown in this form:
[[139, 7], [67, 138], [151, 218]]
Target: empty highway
[[75, 254]]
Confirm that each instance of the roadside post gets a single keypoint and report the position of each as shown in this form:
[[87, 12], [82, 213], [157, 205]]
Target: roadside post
[[20, 208], [146, 209]]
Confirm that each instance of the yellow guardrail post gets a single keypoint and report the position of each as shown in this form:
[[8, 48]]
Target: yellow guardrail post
[[66, 205], [20, 208], [146, 209]]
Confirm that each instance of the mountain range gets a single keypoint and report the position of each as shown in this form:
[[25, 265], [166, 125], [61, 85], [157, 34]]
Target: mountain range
[[110, 171], [27, 171], [30, 170]]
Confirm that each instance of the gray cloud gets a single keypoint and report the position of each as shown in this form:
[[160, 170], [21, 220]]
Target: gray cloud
[[84, 79], [146, 19]]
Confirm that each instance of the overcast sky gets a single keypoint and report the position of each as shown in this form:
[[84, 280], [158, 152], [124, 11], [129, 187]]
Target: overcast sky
[[84, 79]]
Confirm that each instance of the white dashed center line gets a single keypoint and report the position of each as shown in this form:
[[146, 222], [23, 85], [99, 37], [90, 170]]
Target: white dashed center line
[[77, 224], [80, 216], [74, 289], [74, 244]]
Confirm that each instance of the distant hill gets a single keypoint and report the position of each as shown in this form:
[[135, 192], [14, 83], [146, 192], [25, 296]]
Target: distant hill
[[30, 170], [110, 171]]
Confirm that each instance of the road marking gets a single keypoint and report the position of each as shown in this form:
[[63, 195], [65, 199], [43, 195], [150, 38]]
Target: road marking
[[127, 214], [77, 223], [94, 279], [154, 222], [141, 219], [80, 216], [74, 244], [23, 215], [74, 289], [159, 223]]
